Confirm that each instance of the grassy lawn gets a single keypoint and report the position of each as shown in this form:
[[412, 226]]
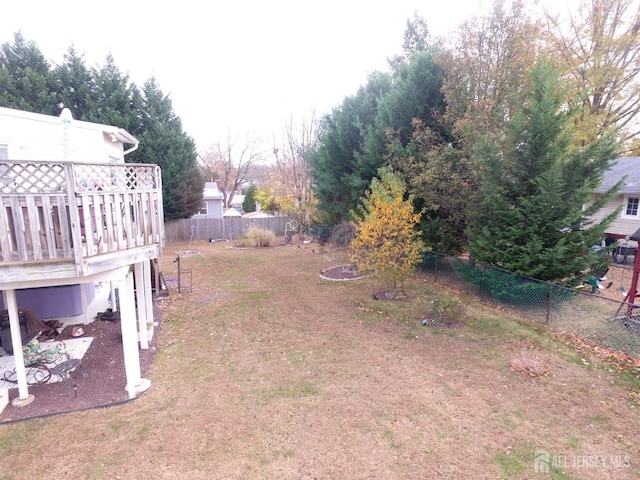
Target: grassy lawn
[[266, 371]]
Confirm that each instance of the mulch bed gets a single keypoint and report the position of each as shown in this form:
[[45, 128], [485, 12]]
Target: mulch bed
[[341, 272], [99, 381]]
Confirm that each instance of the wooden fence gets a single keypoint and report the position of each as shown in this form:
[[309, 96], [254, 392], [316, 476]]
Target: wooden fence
[[228, 228]]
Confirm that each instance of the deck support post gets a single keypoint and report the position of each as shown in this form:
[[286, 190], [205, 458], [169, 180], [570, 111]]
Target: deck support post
[[143, 295], [135, 383], [24, 398]]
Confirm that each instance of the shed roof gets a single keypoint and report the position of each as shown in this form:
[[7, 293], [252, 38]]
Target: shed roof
[[211, 191]]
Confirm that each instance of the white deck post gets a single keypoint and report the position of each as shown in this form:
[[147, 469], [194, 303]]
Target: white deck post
[[148, 294], [135, 384], [140, 292], [83, 296], [24, 398], [112, 297]]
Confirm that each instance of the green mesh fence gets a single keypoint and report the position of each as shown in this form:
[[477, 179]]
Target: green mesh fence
[[589, 316]]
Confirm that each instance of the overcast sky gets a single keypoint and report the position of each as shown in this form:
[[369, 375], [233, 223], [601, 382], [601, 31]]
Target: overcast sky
[[238, 66]]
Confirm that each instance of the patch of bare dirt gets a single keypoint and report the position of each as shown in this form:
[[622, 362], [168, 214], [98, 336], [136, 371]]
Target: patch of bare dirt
[[620, 279], [99, 380]]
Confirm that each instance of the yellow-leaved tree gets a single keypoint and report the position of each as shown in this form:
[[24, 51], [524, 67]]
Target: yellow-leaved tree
[[386, 239]]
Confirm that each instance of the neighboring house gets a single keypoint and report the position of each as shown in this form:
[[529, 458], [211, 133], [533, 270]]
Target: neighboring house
[[236, 202], [74, 214], [231, 212], [212, 202], [628, 221]]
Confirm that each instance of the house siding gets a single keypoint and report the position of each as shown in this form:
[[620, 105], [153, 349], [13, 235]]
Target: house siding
[[212, 198], [628, 170], [621, 227], [31, 136]]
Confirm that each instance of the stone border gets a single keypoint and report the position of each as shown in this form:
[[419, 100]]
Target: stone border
[[340, 279]]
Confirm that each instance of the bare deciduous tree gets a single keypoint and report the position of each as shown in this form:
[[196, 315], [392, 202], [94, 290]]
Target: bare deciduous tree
[[486, 67], [292, 165], [228, 163], [600, 48]]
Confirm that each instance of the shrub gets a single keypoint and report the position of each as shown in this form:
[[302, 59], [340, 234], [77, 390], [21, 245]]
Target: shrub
[[386, 240], [257, 237], [447, 307]]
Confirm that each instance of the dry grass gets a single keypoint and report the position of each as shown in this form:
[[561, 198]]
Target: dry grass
[[531, 364], [266, 371]]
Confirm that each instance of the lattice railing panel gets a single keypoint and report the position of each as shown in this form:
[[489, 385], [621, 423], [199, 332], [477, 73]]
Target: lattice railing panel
[[115, 178], [63, 210], [36, 177]]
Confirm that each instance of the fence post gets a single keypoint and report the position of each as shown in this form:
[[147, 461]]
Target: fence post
[[435, 278], [483, 269], [548, 304]]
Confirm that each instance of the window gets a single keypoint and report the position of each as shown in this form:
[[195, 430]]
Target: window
[[203, 209], [630, 209]]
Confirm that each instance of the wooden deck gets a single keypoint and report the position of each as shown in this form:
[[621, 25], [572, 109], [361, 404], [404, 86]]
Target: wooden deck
[[81, 217]]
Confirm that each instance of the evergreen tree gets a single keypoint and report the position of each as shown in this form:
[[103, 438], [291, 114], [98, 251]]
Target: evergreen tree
[[444, 184], [416, 94], [249, 202], [25, 79], [115, 100], [416, 39], [164, 143], [339, 180], [74, 85], [531, 220]]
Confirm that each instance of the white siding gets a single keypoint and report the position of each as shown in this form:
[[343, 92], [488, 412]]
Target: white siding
[[620, 226], [31, 136]]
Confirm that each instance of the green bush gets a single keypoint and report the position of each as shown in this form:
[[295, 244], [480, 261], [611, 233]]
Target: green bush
[[447, 307]]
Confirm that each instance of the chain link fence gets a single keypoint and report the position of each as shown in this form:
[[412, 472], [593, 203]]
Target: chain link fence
[[588, 316]]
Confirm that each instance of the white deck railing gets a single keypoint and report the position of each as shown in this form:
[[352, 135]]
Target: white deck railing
[[58, 210]]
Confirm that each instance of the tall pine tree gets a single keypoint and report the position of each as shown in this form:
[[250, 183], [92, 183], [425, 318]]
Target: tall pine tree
[[74, 85], [531, 220], [164, 143], [115, 100], [25, 78], [340, 179]]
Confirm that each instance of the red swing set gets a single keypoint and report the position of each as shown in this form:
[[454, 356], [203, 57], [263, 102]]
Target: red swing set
[[630, 299]]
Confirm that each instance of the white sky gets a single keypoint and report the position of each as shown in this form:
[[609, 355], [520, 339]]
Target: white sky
[[234, 66]]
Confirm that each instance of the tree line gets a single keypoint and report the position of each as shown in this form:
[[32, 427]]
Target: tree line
[[501, 134], [104, 94]]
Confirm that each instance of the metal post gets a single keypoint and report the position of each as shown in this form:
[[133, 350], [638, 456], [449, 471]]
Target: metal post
[[177, 260], [435, 278], [548, 304]]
